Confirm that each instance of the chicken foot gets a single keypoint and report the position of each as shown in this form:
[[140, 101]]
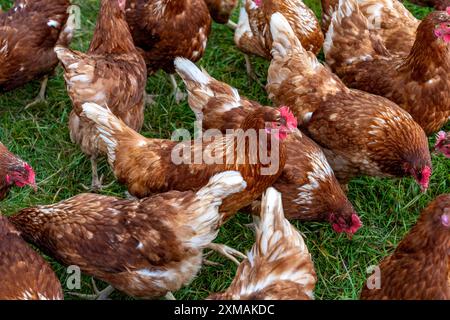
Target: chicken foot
[[41, 95], [96, 184], [251, 73], [98, 295], [227, 252], [178, 94]]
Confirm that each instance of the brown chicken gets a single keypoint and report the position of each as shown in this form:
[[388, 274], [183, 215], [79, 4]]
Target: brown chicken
[[389, 19], [418, 82], [419, 267], [25, 274], [443, 143], [221, 11], [147, 165], [29, 32], [14, 171], [309, 188], [360, 133], [112, 73], [166, 29], [253, 36], [145, 248], [279, 266]]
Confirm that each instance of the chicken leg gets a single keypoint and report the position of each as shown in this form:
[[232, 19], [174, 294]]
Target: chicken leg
[[41, 96], [227, 252], [96, 184], [251, 73], [179, 95], [98, 295]]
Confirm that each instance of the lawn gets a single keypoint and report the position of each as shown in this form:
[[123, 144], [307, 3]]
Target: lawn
[[388, 208]]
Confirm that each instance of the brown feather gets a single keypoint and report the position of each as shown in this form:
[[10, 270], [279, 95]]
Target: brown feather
[[419, 267], [25, 274], [27, 40]]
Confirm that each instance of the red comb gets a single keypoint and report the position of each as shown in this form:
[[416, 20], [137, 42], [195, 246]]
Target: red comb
[[286, 113], [258, 2]]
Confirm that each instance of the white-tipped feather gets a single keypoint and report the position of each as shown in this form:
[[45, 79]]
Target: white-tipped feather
[[189, 71], [273, 226], [205, 216], [284, 39], [198, 83], [286, 43], [106, 122], [276, 240], [223, 184]]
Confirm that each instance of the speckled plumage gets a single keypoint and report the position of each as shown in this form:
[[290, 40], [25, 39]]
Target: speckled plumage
[[416, 80], [419, 268], [221, 10], [28, 33], [360, 133], [253, 35], [147, 165], [166, 29], [389, 20], [279, 266], [144, 248], [309, 188], [112, 73], [24, 274]]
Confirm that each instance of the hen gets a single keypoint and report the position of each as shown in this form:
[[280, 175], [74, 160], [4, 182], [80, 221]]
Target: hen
[[360, 133], [443, 143], [25, 275], [418, 269], [14, 171], [221, 11], [253, 36], [279, 266], [112, 73], [388, 19], [417, 82], [145, 248], [28, 34], [166, 29], [146, 166], [309, 188]]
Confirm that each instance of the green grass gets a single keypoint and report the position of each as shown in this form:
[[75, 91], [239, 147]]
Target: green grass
[[40, 135]]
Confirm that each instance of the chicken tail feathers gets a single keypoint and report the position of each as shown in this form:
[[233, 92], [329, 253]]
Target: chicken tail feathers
[[328, 7], [348, 39], [204, 216], [111, 129], [285, 43], [202, 89], [67, 57], [222, 185], [278, 255], [272, 226]]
